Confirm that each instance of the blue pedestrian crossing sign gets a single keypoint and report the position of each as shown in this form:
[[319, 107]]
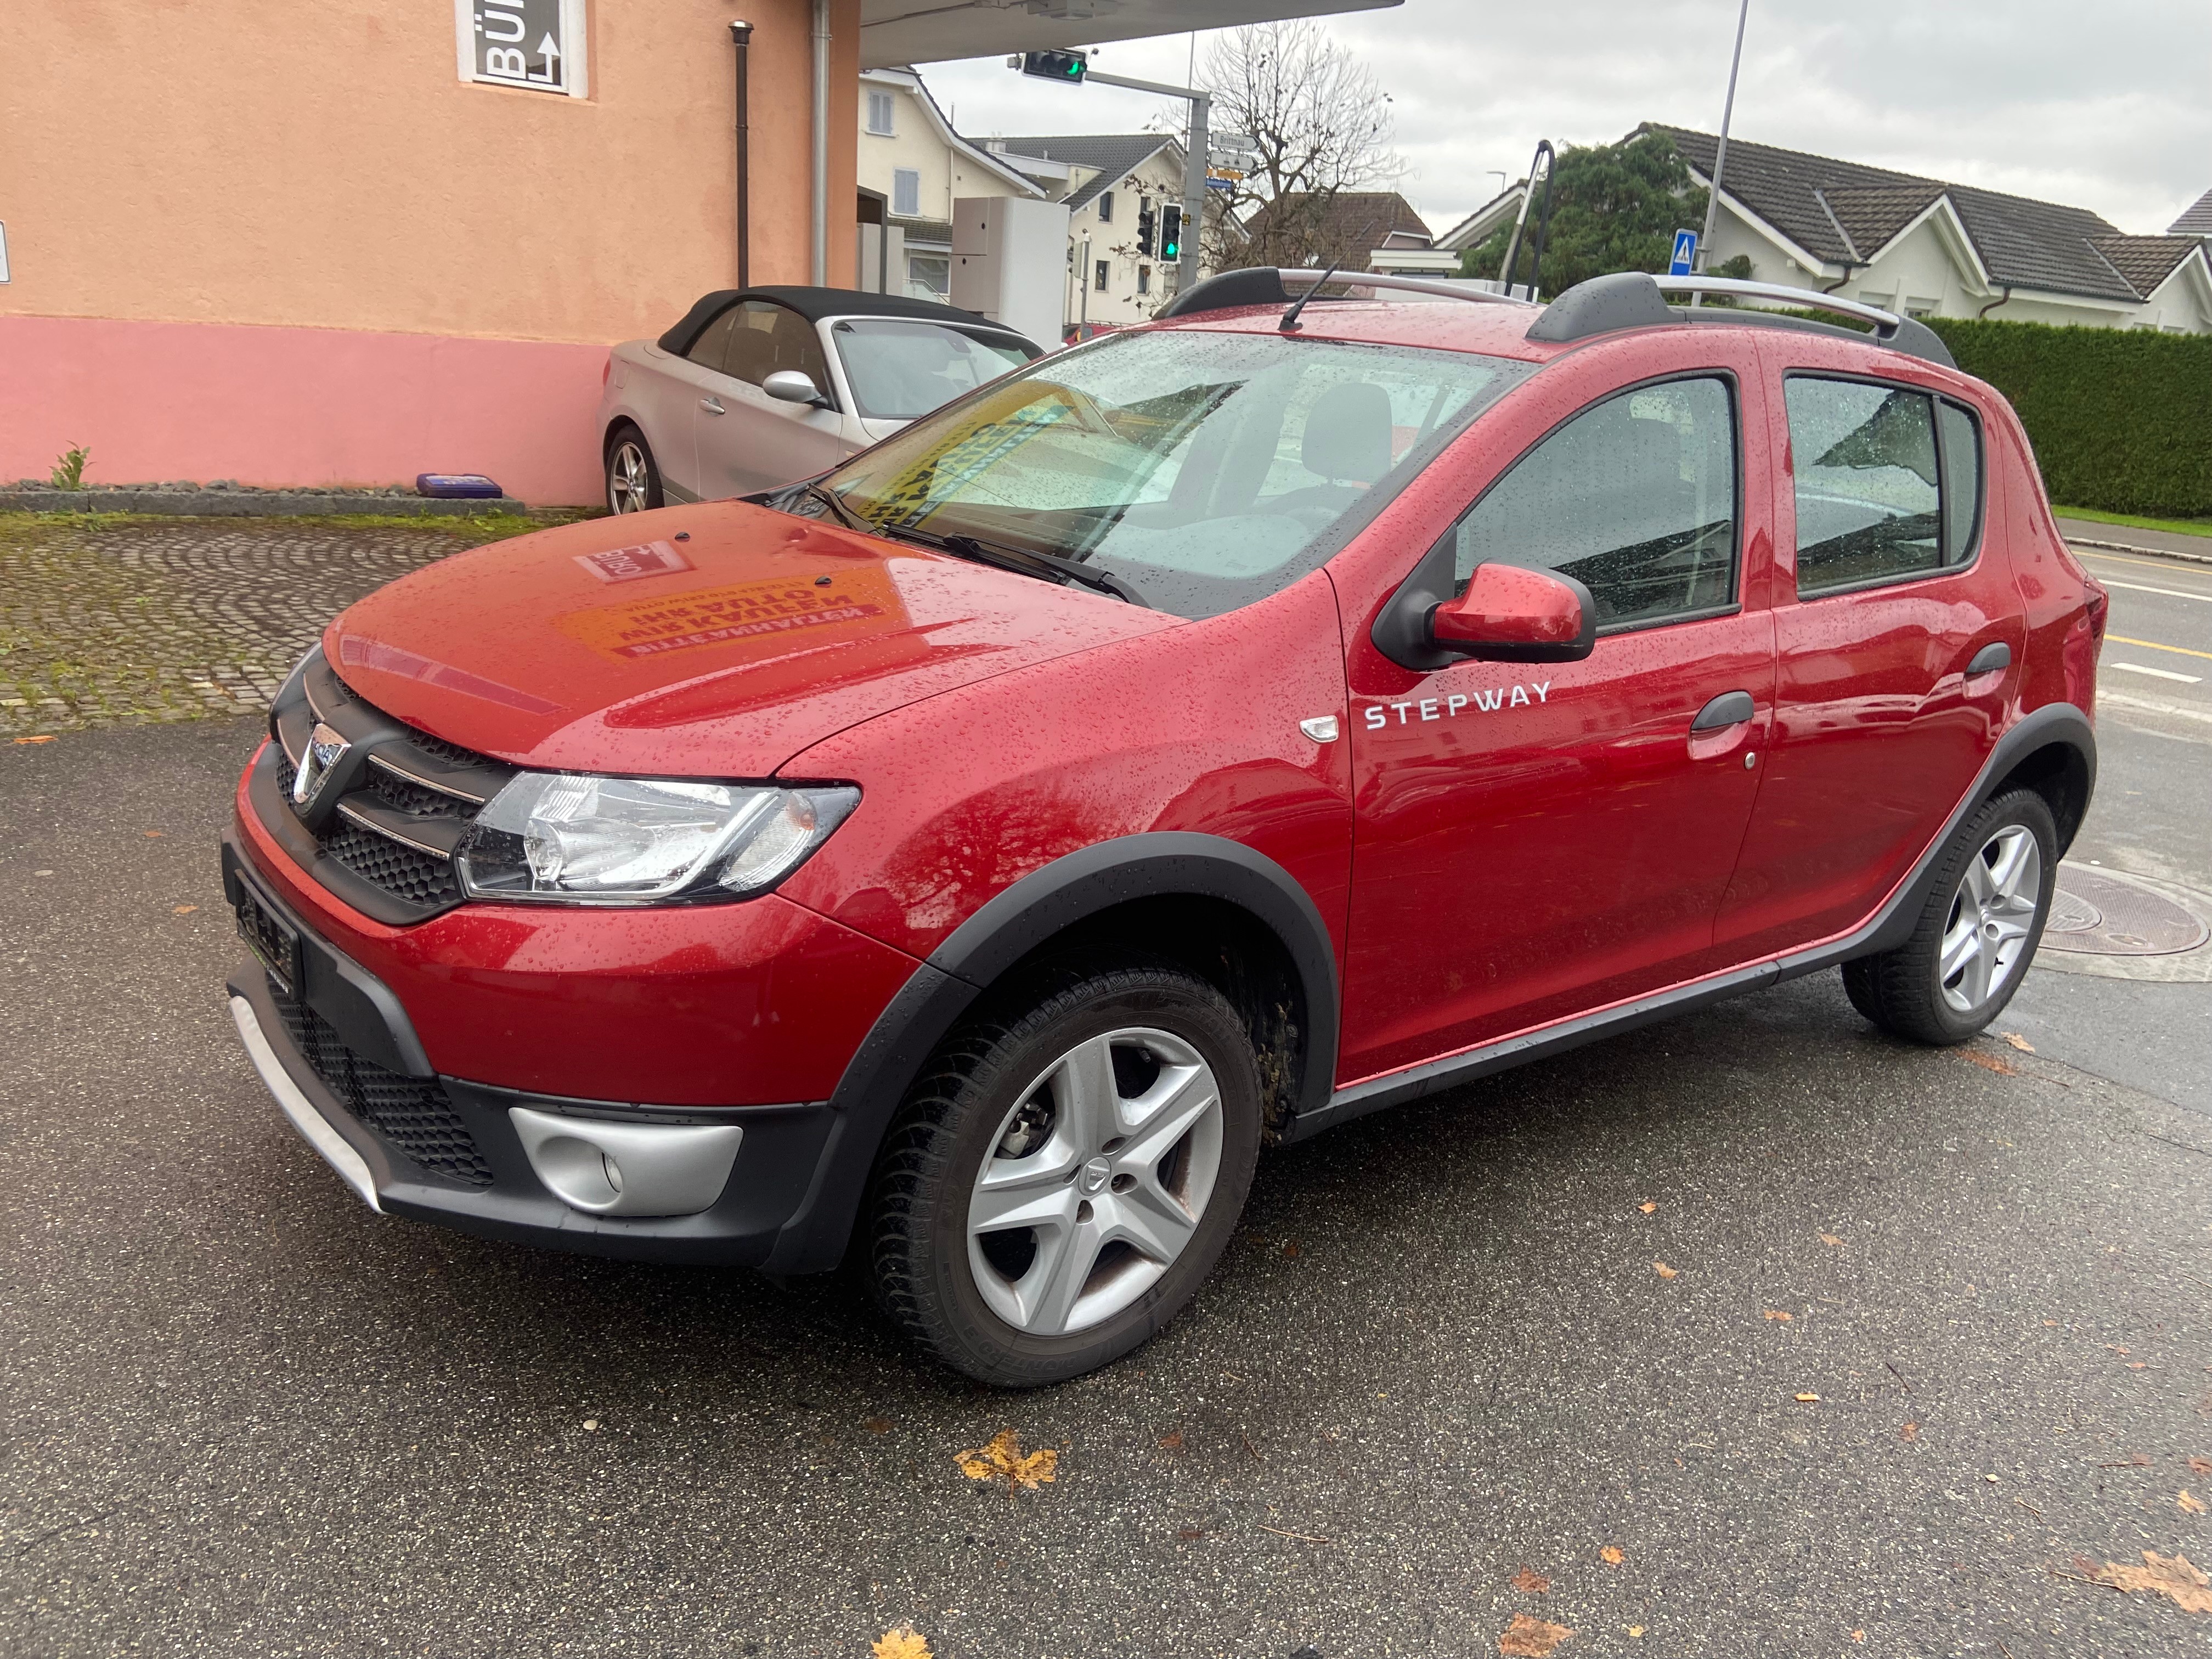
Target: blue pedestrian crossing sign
[[1685, 250]]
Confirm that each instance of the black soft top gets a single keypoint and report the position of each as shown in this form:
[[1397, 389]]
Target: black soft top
[[815, 303]]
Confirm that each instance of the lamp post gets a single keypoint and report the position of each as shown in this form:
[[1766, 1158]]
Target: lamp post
[[1720, 155]]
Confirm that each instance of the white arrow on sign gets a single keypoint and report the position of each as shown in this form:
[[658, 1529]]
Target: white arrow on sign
[[549, 49]]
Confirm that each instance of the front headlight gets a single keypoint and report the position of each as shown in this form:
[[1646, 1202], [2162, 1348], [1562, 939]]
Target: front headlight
[[560, 838]]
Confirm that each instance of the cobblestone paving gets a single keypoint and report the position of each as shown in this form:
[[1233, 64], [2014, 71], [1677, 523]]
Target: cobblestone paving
[[120, 622]]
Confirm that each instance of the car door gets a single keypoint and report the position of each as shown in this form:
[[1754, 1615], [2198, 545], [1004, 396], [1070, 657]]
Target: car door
[[1534, 841], [665, 397], [748, 440], [1891, 587]]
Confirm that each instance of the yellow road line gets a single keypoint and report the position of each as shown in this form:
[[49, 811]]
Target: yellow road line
[[2152, 645]]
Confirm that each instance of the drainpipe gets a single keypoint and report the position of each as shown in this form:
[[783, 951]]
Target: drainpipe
[[821, 260], [741, 37], [1850, 265], [2005, 299]]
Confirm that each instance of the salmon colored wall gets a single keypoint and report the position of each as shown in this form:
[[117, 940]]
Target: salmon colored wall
[[322, 167]]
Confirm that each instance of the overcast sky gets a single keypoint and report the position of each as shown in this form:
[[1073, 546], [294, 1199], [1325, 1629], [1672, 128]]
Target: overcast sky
[[2106, 106]]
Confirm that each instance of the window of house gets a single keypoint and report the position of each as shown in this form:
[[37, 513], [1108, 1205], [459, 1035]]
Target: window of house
[[1098, 276], [929, 276], [1635, 498], [1144, 279], [1886, 491], [906, 191], [1105, 206], [879, 114]]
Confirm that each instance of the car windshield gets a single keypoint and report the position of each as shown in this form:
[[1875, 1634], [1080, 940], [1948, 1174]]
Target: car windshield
[[1203, 470], [899, 370]]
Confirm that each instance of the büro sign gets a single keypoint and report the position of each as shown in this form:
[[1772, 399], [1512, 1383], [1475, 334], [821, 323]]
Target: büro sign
[[535, 44]]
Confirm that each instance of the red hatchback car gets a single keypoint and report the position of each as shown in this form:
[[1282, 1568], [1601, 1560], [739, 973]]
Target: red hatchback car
[[1191, 740]]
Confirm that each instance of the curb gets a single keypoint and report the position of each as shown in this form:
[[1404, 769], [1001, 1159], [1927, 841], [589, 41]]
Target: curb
[[2177, 556], [247, 503]]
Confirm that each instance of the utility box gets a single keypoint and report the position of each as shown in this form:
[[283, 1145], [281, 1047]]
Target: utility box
[[1010, 263]]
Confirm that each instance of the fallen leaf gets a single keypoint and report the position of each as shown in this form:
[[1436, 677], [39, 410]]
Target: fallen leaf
[[153, 834], [42, 738], [2174, 1577], [2200, 1466], [877, 1424], [1777, 1313], [1662, 1270], [1647, 1206], [904, 1643], [1190, 1535], [1830, 1238], [1002, 1460], [1531, 1638], [2020, 1043], [1172, 1442], [1529, 1581], [1611, 1555], [2118, 1349], [2138, 1364], [1290, 1247], [2189, 1505], [1636, 1630], [1987, 1062], [185, 910], [1808, 1399], [1858, 1636], [1910, 1431]]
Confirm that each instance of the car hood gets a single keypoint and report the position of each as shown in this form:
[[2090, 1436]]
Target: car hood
[[612, 646]]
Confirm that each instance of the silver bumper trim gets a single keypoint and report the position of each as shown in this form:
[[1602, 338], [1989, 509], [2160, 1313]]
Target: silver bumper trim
[[352, 1169]]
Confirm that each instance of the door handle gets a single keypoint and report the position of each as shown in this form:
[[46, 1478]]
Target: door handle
[[1989, 659], [1729, 709], [713, 405]]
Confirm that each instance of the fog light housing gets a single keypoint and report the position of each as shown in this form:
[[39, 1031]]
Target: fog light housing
[[606, 1168]]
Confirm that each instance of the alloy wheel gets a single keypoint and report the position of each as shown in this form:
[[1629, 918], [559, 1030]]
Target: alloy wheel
[[630, 477], [1095, 1181], [1985, 934]]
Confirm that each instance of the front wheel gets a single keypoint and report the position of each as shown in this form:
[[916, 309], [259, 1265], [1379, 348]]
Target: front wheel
[[1065, 1181], [1977, 934], [633, 476]]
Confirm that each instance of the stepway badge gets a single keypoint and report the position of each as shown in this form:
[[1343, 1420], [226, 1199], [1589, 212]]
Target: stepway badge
[[1685, 250]]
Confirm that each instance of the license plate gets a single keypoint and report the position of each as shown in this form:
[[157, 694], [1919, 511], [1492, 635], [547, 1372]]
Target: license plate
[[273, 940]]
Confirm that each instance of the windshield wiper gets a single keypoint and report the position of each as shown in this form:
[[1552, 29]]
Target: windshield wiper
[[1023, 561], [843, 513]]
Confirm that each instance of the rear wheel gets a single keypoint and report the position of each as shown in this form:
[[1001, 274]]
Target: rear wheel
[[633, 476], [1061, 1186], [1977, 934]]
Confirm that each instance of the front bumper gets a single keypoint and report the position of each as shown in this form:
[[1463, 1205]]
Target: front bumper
[[339, 1054]]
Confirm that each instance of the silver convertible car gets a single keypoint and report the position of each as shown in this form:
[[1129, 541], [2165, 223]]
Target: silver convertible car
[[761, 387]]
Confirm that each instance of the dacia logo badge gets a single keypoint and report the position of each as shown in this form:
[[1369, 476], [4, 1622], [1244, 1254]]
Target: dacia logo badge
[[325, 749]]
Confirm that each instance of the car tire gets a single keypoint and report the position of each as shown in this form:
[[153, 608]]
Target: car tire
[[1134, 1199], [633, 476], [1977, 932]]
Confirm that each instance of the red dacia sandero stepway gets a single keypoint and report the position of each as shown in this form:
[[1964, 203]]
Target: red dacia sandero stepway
[[971, 857]]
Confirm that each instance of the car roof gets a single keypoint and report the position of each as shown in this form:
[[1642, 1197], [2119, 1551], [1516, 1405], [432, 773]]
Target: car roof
[[815, 303]]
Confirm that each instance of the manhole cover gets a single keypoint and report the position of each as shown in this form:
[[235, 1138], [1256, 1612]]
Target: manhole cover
[[2094, 914]]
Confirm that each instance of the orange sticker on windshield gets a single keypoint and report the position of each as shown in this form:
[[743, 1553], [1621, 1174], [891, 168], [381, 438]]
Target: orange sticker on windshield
[[764, 613]]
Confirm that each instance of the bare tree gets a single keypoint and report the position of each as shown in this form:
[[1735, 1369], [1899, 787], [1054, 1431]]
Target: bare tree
[[1321, 126]]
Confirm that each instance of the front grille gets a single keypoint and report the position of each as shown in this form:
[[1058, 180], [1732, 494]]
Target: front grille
[[405, 873], [404, 806], [412, 1113]]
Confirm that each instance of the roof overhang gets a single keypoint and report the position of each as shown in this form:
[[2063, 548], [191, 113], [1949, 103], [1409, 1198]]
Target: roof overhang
[[930, 31], [2195, 271], [1951, 231], [1477, 226]]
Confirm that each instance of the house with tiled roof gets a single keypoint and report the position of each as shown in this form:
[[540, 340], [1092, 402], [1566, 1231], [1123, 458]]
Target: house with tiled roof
[[2196, 221], [1360, 229], [1927, 247]]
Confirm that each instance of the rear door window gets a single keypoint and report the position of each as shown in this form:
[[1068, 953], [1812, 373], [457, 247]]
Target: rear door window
[[711, 350], [1635, 498], [767, 338], [1886, 490]]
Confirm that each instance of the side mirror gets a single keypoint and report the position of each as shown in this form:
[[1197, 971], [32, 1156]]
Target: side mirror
[[790, 386], [1512, 614]]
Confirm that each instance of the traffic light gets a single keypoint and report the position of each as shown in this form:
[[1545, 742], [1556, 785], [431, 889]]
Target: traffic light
[[1144, 220], [1171, 231], [1055, 65]]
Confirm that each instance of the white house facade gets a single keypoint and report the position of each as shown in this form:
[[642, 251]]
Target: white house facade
[[1924, 247], [1113, 181], [914, 166]]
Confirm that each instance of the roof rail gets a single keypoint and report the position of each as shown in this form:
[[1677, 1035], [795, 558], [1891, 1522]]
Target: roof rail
[[1266, 285], [1629, 299]]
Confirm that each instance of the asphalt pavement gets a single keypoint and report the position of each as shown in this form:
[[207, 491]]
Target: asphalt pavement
[[1442, 1365]]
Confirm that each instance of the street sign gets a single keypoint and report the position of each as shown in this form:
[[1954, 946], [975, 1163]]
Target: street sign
[[1055, 65], [1217, 182], [533, 44], [1685, 250]]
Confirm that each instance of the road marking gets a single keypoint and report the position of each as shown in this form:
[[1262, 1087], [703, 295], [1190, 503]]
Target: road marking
[[2152, 705], [2152, 645], [2113, 558], [2158, 673], [2170, 592]]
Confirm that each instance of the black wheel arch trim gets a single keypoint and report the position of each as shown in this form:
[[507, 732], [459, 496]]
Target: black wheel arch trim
[[1890, 926], [1027, 914]]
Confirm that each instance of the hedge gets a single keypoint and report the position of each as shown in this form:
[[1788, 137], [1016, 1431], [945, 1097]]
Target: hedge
[[2121, 419]]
